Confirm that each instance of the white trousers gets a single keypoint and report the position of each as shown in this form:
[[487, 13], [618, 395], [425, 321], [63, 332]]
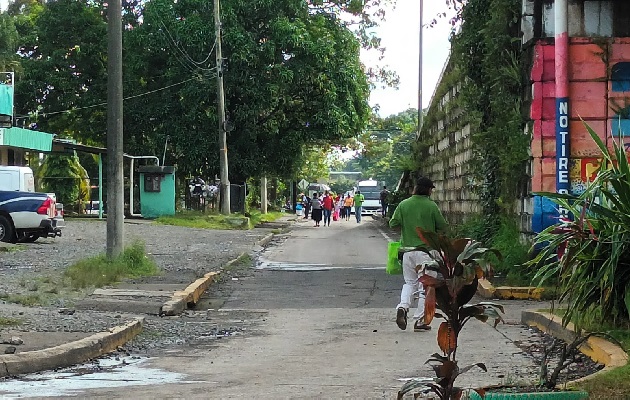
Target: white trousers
[[410, 260]]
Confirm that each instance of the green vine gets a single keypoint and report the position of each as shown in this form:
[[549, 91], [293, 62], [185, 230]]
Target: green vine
[[486, 62]]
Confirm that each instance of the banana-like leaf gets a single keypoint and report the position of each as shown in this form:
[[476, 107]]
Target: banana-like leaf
[[492, 304], [413, 384], [469, 367], [429, 304], [431, 239], [428, 280], [446, 338]]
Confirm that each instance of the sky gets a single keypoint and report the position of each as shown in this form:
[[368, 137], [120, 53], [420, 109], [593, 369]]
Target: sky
[[399, 34]]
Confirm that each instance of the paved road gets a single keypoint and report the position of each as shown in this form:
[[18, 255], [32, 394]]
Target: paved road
[[318, 314]]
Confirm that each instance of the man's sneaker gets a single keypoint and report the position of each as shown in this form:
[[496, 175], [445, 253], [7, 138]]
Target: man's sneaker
[[419, 326], [401, 318]]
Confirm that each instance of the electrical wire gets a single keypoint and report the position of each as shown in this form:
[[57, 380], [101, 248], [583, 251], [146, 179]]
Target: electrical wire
[[187, 57], [105, 103]]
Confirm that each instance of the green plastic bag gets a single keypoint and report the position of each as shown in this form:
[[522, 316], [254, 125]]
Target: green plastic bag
[[394, 266]]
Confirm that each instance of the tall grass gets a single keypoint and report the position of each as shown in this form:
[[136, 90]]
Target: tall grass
[[98, 271]]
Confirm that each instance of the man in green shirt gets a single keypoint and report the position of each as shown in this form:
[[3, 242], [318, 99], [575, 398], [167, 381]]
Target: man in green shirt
[[416, 211], [357, 202]]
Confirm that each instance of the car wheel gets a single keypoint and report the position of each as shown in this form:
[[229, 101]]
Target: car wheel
[[6, 230], [28, 238]]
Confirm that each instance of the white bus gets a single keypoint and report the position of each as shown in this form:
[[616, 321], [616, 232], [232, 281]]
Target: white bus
[[372, 193]]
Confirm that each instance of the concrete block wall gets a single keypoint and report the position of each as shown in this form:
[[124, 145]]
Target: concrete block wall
[[448, 160]]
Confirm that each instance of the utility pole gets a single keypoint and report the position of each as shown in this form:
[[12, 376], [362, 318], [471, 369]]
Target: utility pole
[[115, 197], [420, 112], [223, 158]]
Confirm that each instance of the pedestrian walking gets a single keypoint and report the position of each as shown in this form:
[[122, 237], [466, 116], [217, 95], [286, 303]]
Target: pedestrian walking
[[338, 207], [347, 207], [328, 206], [416, 211], [306, 202], [357, 202], [316, 209], [384, 201]]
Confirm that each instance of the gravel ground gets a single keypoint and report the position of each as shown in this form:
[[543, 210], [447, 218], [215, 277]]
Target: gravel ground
[[183, 254]]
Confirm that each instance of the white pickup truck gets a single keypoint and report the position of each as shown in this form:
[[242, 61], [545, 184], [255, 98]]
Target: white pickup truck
[[26, 215]]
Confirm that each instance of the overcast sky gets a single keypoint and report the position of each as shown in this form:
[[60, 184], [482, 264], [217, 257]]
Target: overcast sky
[[399, 35]]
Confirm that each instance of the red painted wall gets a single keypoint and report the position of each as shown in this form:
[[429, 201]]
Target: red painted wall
[[591, 98]]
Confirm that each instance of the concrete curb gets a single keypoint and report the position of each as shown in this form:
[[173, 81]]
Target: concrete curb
[[485, 289], [596, 348], [488, 291], [71, 353], [190, 296]]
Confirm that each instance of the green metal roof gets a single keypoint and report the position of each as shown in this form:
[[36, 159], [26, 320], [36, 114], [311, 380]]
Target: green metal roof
[[26, 139]]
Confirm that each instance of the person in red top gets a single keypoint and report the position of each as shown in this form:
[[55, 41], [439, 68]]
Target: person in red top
[[327, 205]]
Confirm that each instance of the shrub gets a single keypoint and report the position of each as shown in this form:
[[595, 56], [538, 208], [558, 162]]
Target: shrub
[[593, 268], [99, 271]]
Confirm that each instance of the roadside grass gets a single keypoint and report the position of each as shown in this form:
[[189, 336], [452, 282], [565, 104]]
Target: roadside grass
[[197, 219], [6, 322], [98, 271], [11, 248], [257, 217], [28, 300]]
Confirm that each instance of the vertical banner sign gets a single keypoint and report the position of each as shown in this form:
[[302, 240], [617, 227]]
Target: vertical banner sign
[[562, 148]]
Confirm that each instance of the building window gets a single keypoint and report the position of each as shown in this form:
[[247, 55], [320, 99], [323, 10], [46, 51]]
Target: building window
[[621, 23], [152, 182]]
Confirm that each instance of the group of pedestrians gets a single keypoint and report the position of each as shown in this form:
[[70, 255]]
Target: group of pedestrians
[[328, 207]]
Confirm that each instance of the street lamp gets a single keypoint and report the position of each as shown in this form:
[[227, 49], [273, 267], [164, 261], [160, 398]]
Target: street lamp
[[420, 113]]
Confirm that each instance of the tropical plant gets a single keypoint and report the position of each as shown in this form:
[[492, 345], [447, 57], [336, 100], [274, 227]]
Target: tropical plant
[[63, 175], [593, 266], [450, 281]]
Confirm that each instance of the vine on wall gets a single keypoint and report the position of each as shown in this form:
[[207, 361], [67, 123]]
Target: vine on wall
[[486, 59]]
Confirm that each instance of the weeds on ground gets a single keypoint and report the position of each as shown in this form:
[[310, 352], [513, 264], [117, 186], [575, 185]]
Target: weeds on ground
[[28, 300], [243, 262], [256, 217], [4, 322], [197, 219], [99, 271]]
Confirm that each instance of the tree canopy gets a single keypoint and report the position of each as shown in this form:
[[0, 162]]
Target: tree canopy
[[292, 79], [385, 148]]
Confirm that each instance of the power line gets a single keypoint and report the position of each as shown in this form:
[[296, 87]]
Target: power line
[[190, 62], [105, 103]]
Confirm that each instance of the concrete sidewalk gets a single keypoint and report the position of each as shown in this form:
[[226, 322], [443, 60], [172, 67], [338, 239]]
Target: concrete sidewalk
[[39, 338]]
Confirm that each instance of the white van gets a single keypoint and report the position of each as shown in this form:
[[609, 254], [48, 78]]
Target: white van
[[18, 179]]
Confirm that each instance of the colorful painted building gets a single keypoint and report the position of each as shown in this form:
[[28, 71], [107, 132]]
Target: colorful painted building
[[577, 57], [581, 78]]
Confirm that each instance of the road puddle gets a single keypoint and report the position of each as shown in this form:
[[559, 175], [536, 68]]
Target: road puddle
[[112, 372]]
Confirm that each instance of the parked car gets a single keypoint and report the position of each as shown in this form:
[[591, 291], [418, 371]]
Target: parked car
[[26, 215]]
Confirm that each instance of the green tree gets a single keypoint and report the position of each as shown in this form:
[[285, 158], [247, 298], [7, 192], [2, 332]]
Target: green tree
[[293, 79], [64, 61], [8, 44], [385, 147], [63, 175]]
